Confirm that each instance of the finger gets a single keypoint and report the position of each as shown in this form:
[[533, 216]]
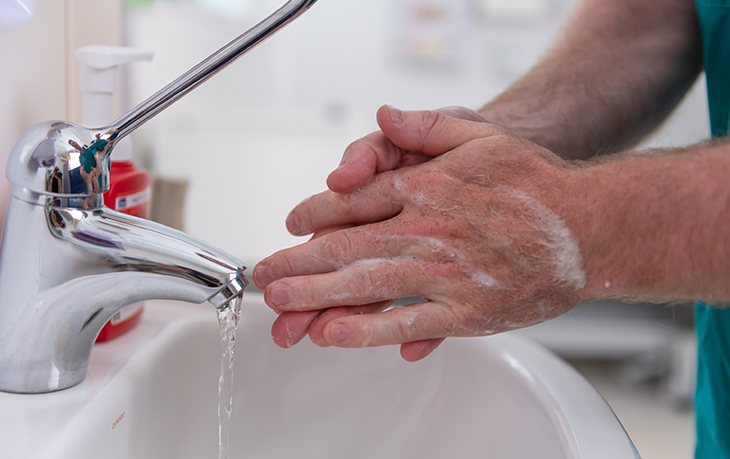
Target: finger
[[417, 350], [290, 327], [331, 252], [364, 282], [430, 131], [377, 202], [362, 159], [316, 329], [404, 324]]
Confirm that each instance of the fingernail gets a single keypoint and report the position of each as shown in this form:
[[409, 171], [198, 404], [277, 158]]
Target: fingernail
[[280, 295], [396, 116], [262, 276], [292, 224], [338, 332]]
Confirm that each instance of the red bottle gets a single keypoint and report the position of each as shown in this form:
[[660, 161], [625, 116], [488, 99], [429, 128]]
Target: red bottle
[[129, 192], [129, 188]]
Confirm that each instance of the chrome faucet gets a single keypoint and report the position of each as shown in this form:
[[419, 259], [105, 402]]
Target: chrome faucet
[[68, 263]]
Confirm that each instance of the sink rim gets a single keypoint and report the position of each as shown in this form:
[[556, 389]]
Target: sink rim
[[587, 425]]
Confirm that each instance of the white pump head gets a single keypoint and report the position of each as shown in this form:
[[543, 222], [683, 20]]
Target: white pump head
[[99, 75]]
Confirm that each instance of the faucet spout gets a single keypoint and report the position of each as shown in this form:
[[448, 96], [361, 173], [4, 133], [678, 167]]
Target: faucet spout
[[65, 271]]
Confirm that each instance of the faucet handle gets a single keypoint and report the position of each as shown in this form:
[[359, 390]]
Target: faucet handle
[[57, 158], [61, 159]]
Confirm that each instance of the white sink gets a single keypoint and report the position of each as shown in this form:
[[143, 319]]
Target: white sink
[[153, 394]]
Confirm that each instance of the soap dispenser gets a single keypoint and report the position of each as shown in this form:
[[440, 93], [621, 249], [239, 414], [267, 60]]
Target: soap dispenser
[[129, 187]]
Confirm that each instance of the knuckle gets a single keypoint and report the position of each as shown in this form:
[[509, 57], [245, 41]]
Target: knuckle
[[369, 335], [291, 264], [427, 180], [429, 126], [405, 331], [345, 205], [280, 264], [336, 246], [308, 293], [366, 281]]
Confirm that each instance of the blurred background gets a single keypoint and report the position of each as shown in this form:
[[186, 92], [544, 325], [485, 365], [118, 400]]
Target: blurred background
[[231, 159]]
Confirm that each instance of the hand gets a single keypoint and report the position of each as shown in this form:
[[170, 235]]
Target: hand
[[375, 153], [362, 160], [467, 231]]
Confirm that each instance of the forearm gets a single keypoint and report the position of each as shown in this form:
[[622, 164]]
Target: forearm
[[615, 72], [654, 225]]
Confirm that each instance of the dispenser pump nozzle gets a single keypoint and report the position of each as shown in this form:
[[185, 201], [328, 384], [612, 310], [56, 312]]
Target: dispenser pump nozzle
[[99, 75]]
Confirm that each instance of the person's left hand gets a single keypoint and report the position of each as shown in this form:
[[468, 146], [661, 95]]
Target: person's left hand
[[476, 232], [375, 153]]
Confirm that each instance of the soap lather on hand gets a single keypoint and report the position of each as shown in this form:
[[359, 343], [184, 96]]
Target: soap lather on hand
[[470, 230]]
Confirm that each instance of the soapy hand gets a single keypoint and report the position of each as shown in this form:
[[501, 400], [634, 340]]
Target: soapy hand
[[471, 231], [361, 161]]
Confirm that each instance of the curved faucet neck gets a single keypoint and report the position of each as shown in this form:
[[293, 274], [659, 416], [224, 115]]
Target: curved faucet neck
[[64, 271]]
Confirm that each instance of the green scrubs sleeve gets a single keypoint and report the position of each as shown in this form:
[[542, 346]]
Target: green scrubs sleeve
[[712, 405]]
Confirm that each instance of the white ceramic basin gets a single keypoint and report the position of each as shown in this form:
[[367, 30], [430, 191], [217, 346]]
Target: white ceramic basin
[[153, 394]]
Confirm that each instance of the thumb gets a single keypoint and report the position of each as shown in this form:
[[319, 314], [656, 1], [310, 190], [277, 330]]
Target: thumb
[[430, 131]]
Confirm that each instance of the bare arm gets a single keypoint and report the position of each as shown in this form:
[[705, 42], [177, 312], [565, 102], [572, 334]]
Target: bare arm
[[656, 225], [616, 71]]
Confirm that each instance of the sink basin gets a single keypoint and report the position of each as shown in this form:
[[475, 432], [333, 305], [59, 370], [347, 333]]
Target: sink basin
[[153, 393]]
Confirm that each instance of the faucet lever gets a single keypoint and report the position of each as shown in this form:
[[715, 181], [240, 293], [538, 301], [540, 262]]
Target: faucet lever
[[38, 159]]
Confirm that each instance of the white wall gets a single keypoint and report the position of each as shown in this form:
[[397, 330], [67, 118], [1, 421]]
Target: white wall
[[33, 79], [38, 72], [263, 134]]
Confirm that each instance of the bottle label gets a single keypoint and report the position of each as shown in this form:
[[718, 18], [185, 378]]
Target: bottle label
[[136, 204], [125, 313]]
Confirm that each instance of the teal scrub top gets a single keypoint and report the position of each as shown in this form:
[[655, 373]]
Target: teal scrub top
[[87, 158], [712, 398]]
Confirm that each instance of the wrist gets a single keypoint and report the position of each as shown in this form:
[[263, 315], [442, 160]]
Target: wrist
[[586, 209], [610, 209], [652, 226], [593, 201], [542, 121]]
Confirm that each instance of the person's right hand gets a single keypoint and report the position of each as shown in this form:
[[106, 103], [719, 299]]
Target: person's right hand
[[478, 233], [361, 161]]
